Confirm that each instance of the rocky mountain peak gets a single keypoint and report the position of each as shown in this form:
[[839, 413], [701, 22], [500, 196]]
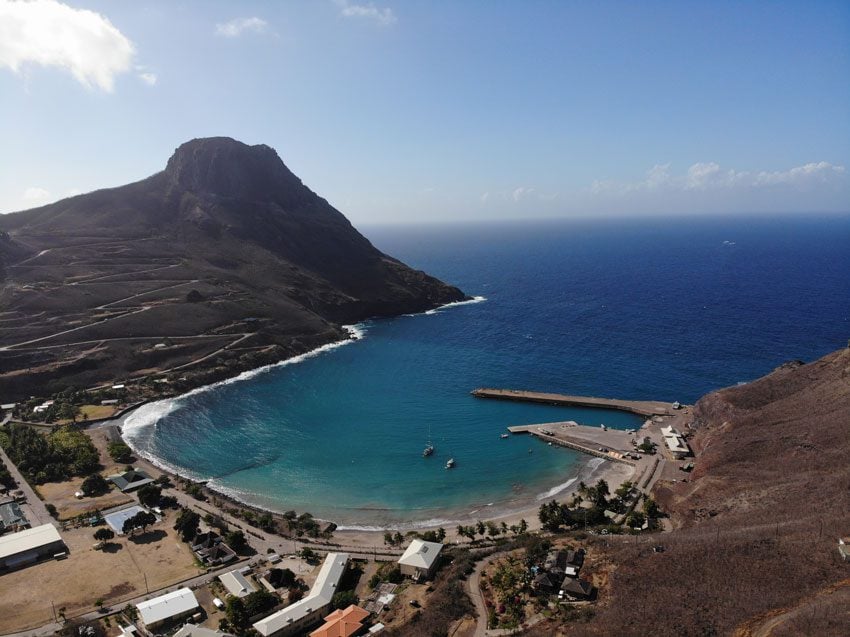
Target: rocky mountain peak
[[228, 168]]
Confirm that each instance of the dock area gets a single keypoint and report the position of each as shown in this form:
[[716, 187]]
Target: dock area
[[646, 408], [615, 445], [610, 444]]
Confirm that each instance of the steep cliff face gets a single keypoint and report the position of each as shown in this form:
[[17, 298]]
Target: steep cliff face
[[754, 547], [226, 218]]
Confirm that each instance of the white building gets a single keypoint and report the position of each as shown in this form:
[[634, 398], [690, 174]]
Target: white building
[[295, 618], [236, 584], [169, 607], [675, 443], [26, 547], [420, 559], [190, 630]]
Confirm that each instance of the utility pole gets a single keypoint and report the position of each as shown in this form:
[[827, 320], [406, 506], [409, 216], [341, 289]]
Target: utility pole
[[146, 582], [54, 611]]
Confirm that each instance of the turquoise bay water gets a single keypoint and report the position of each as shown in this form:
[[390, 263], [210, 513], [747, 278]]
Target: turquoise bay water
[[654, 310]]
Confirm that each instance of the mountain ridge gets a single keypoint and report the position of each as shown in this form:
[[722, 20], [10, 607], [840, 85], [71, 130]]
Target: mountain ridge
[[227, 220]]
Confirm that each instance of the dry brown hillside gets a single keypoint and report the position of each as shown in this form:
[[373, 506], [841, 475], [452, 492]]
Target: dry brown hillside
[[755, 546]]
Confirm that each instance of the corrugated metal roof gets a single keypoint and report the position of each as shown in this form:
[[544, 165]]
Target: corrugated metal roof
[[28, 540], [166, 606]]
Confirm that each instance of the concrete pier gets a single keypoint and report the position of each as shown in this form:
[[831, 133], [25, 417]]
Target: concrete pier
[[646, 408]]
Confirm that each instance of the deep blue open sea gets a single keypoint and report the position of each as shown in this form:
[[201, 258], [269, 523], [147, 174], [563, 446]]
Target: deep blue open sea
[[663, 309]]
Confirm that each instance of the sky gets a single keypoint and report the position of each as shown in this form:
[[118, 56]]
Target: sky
[[432, 111]]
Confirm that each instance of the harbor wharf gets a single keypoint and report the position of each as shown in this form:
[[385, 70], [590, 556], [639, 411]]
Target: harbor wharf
[[640, 407], [615, 445]]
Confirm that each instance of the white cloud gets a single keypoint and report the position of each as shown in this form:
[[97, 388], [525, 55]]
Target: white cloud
[[383, 16], [148, 78], [658, 176], [820, 172], [710, 176], [485, 197], [236, 27], [50, 33], [34, 194], [522, 192]]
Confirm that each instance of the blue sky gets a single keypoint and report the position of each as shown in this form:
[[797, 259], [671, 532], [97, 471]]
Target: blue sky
[[431, 111]]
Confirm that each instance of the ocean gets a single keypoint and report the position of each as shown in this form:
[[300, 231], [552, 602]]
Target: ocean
[[661, 309]]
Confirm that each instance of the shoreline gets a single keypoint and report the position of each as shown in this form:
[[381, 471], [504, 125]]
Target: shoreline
[[449, 518], [589, 470]]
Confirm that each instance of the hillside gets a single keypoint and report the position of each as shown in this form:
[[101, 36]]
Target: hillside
[[221, 262], [754, 550]]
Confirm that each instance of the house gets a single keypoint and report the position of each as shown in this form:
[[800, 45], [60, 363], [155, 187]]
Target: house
[[11, 517], [170, 607], [545, 583], [420, 559], [296, 618], [27, 547], [575, 589], [574, 558], [560, 563], [130, 480], [342, 623], [236, 584], [211, 549]]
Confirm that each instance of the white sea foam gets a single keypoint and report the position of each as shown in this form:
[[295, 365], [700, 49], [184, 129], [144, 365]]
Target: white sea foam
[[474, 299], [557, 489], [148, 415], [405, 526]]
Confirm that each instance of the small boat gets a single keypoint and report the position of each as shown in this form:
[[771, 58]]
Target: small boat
[[503, 436], [450, 463], [429, 448]]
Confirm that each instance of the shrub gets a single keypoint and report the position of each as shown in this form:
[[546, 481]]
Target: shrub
[[119, 452], [94, 485]]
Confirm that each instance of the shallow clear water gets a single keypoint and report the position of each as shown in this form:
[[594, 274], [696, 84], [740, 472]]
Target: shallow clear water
[[657, 309]]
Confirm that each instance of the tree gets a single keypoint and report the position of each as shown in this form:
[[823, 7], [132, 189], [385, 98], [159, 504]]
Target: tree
[[479, 527], [388, 538], [259, 602], [129, 526], [144, 519], [104, 534], [236, 612], [149, 495], [650, 508], [281, 577], [635, 519], [187, 524], [398, 538], [119, 452], [441, 534], [93, 485], [266, 521], [344, 599], [236, 540]]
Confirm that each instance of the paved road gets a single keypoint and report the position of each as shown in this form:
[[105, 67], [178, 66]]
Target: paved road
[[36, 506]]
